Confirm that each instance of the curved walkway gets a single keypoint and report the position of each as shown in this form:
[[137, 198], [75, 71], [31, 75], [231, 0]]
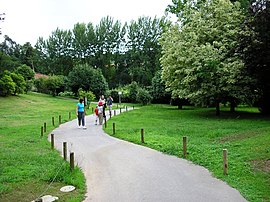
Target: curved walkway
[[119, 171]]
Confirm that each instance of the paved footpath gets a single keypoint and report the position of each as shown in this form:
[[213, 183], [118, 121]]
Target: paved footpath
[[118, 171]]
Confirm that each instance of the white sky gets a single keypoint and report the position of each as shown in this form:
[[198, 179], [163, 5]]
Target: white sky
[[26, 20]]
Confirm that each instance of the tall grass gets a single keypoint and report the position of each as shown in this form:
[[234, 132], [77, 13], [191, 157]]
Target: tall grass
[[246, 135], [27, 163]]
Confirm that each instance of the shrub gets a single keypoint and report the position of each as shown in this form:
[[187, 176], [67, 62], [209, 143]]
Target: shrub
[[40, 85], [143, 96], [7, 86], [88, 94]]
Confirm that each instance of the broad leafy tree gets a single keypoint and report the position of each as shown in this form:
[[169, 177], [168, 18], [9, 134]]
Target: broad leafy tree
[[158, 89], [55, 84], [199, 60], [26, 72], [11, 83], [255, 48], [88, 79]]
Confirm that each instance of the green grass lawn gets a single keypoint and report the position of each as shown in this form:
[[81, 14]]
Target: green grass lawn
[[245, 134], [27, 163]]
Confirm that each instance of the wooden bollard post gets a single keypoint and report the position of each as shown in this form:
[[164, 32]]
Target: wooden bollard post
[[225, 161], [65, 150], [53, 121], [69, 115], [120, 110], [41, 131], [45, 127], [52, 141], [105, 122], [71, 156], [142, 135], [110, 113], [59, 119], [185, 147], [126, 108], [113, 128], [114, 112]]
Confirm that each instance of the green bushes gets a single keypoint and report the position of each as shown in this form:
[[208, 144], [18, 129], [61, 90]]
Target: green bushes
[[131, 93], [11, 83]]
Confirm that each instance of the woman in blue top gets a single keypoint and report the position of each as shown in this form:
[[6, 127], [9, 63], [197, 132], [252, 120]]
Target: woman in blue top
[[80, 113]]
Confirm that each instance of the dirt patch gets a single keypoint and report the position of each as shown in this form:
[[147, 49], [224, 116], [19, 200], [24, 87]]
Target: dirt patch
[[261, 165], [243, 135]]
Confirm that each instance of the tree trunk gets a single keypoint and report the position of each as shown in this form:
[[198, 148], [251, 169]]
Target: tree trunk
[[233, 105], [217, 108]]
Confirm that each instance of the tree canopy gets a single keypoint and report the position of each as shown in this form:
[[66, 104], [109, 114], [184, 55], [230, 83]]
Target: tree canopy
[[199, 60]]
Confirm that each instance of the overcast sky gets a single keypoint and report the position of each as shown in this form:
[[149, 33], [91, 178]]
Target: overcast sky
[[26, 20]]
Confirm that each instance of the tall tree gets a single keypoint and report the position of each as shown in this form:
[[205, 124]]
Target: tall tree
[[110, 39], [255, 48], [199, 60], [84, 42], [143, 48], [56, 52], [28, 55]]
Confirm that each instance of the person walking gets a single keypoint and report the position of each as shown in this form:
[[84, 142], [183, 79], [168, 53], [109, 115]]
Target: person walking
[[80, 111], [109, 104], [100, 113], [102, 99]]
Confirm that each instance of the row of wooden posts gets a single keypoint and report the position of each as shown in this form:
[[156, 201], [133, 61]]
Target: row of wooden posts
[[43, 129], [71, 154], [225, 151]]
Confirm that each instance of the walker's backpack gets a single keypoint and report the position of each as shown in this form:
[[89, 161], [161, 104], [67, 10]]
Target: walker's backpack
[[96, 111]]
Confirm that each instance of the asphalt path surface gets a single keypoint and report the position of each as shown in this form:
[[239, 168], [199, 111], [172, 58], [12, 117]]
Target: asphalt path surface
[[119, 171]]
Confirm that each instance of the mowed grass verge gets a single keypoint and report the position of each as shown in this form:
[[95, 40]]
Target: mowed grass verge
[[245, 134], [28, 165]]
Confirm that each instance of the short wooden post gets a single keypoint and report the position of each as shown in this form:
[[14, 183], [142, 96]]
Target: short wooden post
[[41, 131], [142, 135], [65, 150], [110, 113], [225, 161], [53, 121], [59, 119], [52, 141], [45, 127], [69, 115], [126, 108], [71, 161], [185, 146], [120, 110], [113, 128], [105, 121], [114, 112]]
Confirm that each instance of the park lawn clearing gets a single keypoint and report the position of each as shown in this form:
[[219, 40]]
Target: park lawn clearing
[[245, 134], [28, 165]]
